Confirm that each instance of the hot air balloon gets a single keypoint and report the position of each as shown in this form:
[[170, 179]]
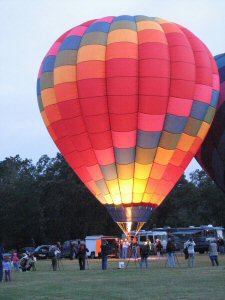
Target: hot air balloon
[[128, 100], [211, 155]]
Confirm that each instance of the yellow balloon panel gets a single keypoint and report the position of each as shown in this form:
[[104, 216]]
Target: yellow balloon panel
[[116, 199], [126, 186], [139, 185], [113, 187], [137, 198], [126, 198], [147, 198], [108, 199], [142, 171]]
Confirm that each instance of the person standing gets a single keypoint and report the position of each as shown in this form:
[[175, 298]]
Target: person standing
[[144, 252], [213, 253], [59, 246], [190, 245], [55, 255], [134, 248], [7, 268], [121, 248], [72, 249], [125, 249], [170, 248], [104, 252], [158, 248], [220, 243], [117, 248], [15, 261], [81, 254]]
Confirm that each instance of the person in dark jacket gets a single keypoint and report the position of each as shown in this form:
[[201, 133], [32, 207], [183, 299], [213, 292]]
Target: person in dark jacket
[[220, 243], [213, 253], [158, 248], [170, 248], [144, 252], [81, 255], [72, 249], [104, 253]]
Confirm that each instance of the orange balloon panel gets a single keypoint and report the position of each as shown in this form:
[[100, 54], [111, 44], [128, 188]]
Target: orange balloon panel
[[128, 105]]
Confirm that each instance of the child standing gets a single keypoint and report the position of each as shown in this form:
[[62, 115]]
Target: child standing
[[7, 268], [15, 261]]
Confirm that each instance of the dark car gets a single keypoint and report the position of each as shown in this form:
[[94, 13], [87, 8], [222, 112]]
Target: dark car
[[70, 249], [28, 250], [42, 251]]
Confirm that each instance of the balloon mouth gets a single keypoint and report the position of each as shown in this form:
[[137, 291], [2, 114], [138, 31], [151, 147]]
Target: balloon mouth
[[130, 217], [126, 227], [126, 214]]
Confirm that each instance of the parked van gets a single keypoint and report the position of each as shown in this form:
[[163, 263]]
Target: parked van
[[152, 236]]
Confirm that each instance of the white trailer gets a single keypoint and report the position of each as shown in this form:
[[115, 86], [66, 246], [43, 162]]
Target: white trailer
[[94, 242]]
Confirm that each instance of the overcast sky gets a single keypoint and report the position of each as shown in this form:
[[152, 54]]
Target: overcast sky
[[29, 28]]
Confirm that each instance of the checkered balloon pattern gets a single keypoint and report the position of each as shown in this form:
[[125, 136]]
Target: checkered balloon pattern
[[128, 101]]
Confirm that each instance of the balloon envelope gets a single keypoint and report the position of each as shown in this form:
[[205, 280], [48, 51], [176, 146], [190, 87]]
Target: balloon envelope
[[128, 100], [211, 155]]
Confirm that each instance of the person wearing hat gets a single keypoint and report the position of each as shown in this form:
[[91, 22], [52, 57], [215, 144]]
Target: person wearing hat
[[190, 246]]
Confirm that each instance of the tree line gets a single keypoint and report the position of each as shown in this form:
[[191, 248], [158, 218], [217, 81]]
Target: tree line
[[46, 202]]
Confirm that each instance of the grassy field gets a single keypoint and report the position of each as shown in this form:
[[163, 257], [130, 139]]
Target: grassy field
[[158, 282]]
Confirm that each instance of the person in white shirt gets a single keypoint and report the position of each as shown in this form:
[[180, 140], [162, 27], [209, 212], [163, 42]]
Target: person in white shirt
[[125, 246], [190, 245]]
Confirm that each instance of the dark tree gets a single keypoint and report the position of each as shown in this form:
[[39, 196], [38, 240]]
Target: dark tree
[[47, 202]]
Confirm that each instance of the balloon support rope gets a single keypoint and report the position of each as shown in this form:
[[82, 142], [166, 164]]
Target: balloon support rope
[[139, 226]]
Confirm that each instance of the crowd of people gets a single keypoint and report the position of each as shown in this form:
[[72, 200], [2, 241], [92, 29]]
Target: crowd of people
[[12, 263], [123, 249]]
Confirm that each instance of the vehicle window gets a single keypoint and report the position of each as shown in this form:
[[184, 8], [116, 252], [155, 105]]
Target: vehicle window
[[150, 238], [163, 237], [142, 238], [219, 233], [210, 233]]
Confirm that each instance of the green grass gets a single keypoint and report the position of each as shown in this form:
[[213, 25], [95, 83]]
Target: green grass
[[158, 282]]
